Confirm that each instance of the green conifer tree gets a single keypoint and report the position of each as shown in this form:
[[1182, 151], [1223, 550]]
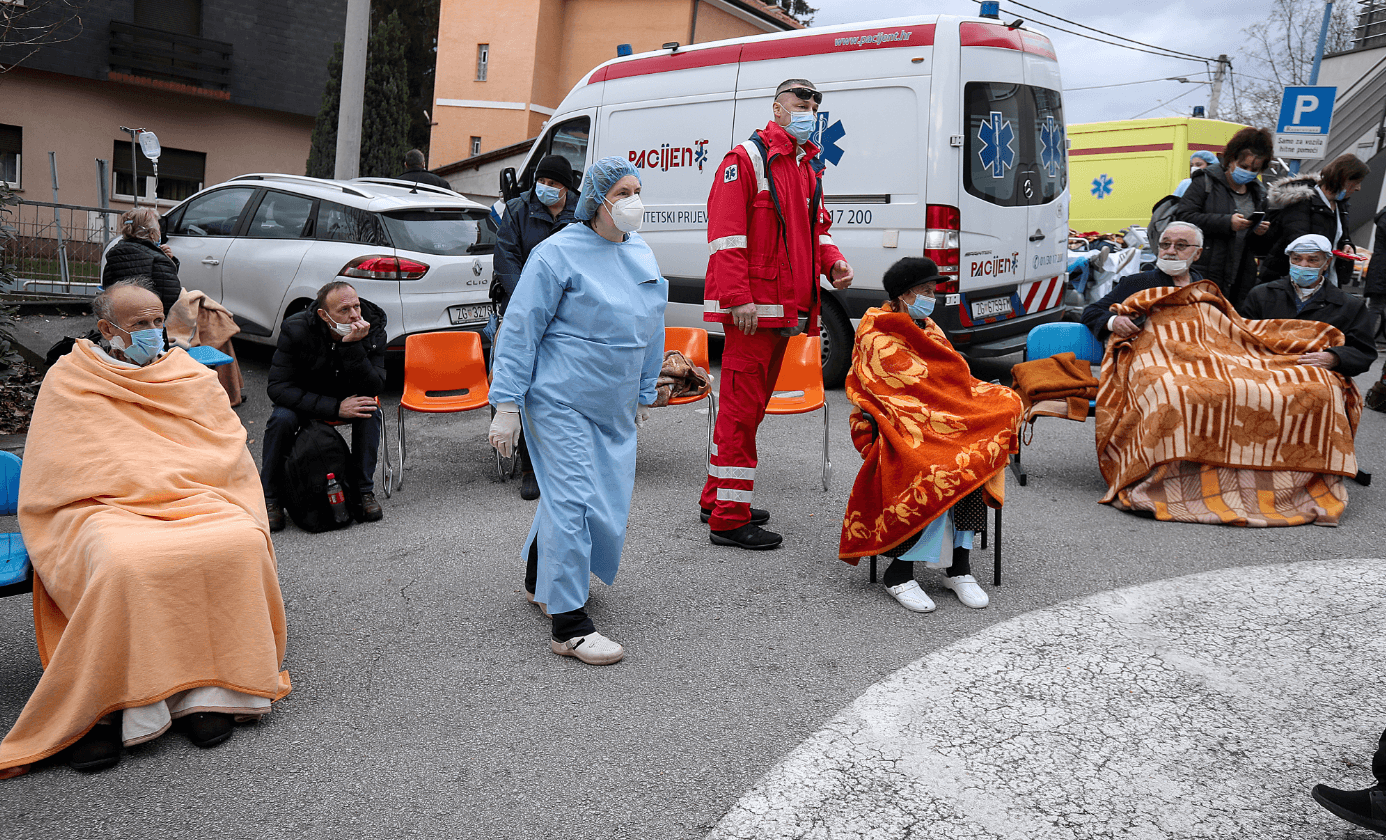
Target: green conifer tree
[[322, 154], [385, 123]]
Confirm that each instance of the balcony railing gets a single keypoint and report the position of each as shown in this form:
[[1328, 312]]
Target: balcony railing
[[168, 56]]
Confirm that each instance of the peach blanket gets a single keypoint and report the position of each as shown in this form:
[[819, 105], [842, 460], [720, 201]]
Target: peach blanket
[[154, 572]]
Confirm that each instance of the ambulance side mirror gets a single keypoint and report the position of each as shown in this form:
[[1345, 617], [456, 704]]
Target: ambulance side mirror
[[509, 186]]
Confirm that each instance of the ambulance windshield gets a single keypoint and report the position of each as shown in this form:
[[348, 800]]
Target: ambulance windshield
[[1015, 149]]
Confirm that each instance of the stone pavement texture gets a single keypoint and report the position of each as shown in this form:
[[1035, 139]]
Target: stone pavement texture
[[1190, 708]]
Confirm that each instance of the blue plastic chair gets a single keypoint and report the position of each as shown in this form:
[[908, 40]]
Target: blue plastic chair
[[1050, 340], [16, 575]]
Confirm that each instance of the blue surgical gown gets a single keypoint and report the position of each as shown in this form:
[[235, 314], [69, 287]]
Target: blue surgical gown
[[581, 346]]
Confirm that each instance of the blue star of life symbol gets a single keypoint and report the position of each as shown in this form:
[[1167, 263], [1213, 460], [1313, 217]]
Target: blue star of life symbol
[[1102, 185], [826, 137], [700, 156], [998, 144], [1051, 146]]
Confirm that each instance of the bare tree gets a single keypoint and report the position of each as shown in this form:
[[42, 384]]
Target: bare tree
[[1279, 51], [26, 27]]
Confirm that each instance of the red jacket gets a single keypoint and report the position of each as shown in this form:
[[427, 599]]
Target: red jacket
[[756, 259]]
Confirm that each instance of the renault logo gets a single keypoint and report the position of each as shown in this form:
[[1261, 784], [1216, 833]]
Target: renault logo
[[476, 267]]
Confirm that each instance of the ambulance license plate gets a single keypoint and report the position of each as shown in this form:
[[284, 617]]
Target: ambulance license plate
[[991, 308], [473, 313]]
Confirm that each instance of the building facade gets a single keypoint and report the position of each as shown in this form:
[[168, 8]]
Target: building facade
[[505, 65]]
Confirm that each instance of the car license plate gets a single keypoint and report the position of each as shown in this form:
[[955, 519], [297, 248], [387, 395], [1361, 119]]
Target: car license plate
[[991, 308], [472, 313]]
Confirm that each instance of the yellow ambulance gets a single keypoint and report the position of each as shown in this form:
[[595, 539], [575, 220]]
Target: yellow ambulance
[[1119, 169]]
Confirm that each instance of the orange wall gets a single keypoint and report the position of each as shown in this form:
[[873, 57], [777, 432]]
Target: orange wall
[[80, 119], [539, 50]]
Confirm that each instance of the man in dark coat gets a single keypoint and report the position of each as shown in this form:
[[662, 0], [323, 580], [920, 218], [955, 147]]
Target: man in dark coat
[[530, 219], [329, 365], [1179, 247], [1307, 295], [414, 171], [139, 254], [1376, 276]]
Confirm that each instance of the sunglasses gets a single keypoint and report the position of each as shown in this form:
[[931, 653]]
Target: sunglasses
[[805, 94]]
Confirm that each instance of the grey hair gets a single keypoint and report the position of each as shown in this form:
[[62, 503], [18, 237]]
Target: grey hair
[[789, 83], [1198, 234], [104, 308], [414, 158]]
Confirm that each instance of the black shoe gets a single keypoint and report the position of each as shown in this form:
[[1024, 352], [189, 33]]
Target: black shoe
[[207, 729], [529, 487], [370, 508], [276, 516], [758, 516], [99, 749], [1366, 808], [749, 536]]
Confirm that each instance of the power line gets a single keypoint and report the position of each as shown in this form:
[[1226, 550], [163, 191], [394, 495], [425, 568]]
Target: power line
[[1127, 84], [1162, 104], [1173, 52], [1114, 44]]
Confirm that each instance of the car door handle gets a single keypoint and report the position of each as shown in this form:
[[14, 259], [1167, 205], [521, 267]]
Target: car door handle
[[1037, 237], [210, 261]]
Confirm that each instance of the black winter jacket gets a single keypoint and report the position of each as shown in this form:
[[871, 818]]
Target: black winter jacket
[[1209, 204], [1096, 315], [526, 223], [1330, 305], [312, 373], [131, 257], [423, 176], [1296, 209], [1376, 269]]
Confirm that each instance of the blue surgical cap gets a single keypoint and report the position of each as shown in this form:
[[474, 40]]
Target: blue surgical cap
[[1204, 156], [600, 178]]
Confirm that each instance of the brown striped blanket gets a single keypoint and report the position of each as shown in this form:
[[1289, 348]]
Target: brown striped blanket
[[1200, 395]]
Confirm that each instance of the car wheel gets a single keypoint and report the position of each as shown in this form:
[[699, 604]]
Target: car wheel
[[836, 334]]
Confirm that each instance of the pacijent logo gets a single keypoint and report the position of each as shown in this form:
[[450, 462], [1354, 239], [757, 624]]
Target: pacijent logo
[[668, 156], [872, 40], [996, 266]]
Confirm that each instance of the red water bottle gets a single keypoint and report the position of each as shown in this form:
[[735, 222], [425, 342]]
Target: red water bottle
[[337, 500]]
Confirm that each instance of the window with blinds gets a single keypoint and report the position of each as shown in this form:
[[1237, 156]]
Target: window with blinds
[[181, 172], [11, 150]]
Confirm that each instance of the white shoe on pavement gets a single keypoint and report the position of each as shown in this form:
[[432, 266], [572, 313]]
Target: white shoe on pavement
[[911, 597], [594, 649], [967, 590]]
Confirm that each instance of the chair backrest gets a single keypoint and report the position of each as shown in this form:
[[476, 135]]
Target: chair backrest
[[691, 342], [9, 483], [802, 369], [1051, 339], [443, 361]]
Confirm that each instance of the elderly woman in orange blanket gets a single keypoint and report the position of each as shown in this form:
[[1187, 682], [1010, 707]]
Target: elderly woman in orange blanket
[[934, 443]]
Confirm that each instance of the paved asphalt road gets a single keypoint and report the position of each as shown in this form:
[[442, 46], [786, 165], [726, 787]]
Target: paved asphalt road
[[426, 702]]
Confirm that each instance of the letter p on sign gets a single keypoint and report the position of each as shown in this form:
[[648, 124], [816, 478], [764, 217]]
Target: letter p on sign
[[1304, 104]]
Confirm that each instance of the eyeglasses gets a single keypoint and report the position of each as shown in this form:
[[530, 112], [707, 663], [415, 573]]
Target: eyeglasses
[[805, 94], [1177, 247]]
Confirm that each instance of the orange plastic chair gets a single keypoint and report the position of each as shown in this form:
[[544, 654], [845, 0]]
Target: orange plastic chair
[[799, 388], [692, 343], [444, 372]]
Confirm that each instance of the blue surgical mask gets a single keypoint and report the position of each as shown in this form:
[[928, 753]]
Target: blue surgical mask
[[801, 125], [547, 195], [921, 308], [1340, 195], [1243, 176], [144, 345], [1304, 276]]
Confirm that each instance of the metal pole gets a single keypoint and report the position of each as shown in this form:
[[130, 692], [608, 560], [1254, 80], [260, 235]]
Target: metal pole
[[58, 224], [134, 162], [1216, 93], [103, 198], [1323, 38], [358, 20]]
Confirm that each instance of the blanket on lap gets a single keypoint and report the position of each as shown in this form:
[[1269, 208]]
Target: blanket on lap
[[1200, 386], [154, 573], [942, 433]]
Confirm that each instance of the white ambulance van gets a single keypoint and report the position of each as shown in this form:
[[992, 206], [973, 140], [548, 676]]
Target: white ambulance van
[[942, 136]]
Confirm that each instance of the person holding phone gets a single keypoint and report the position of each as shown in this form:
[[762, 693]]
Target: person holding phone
[[1313, 204]]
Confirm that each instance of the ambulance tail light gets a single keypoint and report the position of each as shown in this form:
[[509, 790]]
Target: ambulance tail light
[[380, 267], [942, 224]]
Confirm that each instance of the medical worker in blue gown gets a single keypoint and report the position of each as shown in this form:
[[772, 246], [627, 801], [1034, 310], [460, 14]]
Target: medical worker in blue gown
[[576, 362]]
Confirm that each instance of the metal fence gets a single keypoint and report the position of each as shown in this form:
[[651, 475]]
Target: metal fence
[[58, 247]]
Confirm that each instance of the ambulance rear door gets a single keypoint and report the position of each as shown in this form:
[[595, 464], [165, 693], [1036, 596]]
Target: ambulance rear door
[[1045, 178]]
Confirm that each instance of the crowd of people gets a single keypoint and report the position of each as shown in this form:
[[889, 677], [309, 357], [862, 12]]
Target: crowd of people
[[1242, 320]]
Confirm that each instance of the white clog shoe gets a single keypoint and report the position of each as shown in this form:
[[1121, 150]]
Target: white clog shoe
[[911, 597], [967, 590], [594, 649]]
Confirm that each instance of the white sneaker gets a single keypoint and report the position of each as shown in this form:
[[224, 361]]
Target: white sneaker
[[594, 649], [911, 597], [967, 590]]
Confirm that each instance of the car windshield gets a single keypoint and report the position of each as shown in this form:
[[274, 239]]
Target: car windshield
[[442, 231]]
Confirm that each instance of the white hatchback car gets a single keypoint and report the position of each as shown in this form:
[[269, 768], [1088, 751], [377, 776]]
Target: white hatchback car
[[263, 244]]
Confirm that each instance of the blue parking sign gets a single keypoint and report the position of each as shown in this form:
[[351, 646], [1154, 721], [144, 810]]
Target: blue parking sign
[[1306, 115]]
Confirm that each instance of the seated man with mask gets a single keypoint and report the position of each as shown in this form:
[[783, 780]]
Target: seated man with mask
[[156, 595]]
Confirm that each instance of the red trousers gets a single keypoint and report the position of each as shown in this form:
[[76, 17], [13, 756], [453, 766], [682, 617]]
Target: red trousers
[[750, 366]]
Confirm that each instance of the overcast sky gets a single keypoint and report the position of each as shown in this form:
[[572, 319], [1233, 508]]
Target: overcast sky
[[1201, 28]]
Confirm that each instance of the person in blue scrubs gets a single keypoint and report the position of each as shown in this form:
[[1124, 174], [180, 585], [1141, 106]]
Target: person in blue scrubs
[[576, 362], [1198, 160]]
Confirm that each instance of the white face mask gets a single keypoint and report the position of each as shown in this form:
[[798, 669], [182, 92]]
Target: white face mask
[[339, 329], [628, 213], [1173, 268]]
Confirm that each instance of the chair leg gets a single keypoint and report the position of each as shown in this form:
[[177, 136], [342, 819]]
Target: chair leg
[[1018, 468], [711, 422], [996, 556], [873, 568], [827, 461], [389, 474], [403, 447]]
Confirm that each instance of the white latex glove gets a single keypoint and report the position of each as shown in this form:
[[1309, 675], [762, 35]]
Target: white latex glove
[[505, 429], [642, 415]]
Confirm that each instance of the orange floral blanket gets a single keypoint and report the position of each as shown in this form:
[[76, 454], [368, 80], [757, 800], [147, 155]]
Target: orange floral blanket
[[942, 433], [1199, 383]]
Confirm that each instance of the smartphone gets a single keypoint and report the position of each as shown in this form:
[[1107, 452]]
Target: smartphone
[[1257, 218]]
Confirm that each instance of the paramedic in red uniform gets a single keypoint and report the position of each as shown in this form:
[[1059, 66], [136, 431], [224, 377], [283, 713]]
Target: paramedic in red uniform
[[768, 235]]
